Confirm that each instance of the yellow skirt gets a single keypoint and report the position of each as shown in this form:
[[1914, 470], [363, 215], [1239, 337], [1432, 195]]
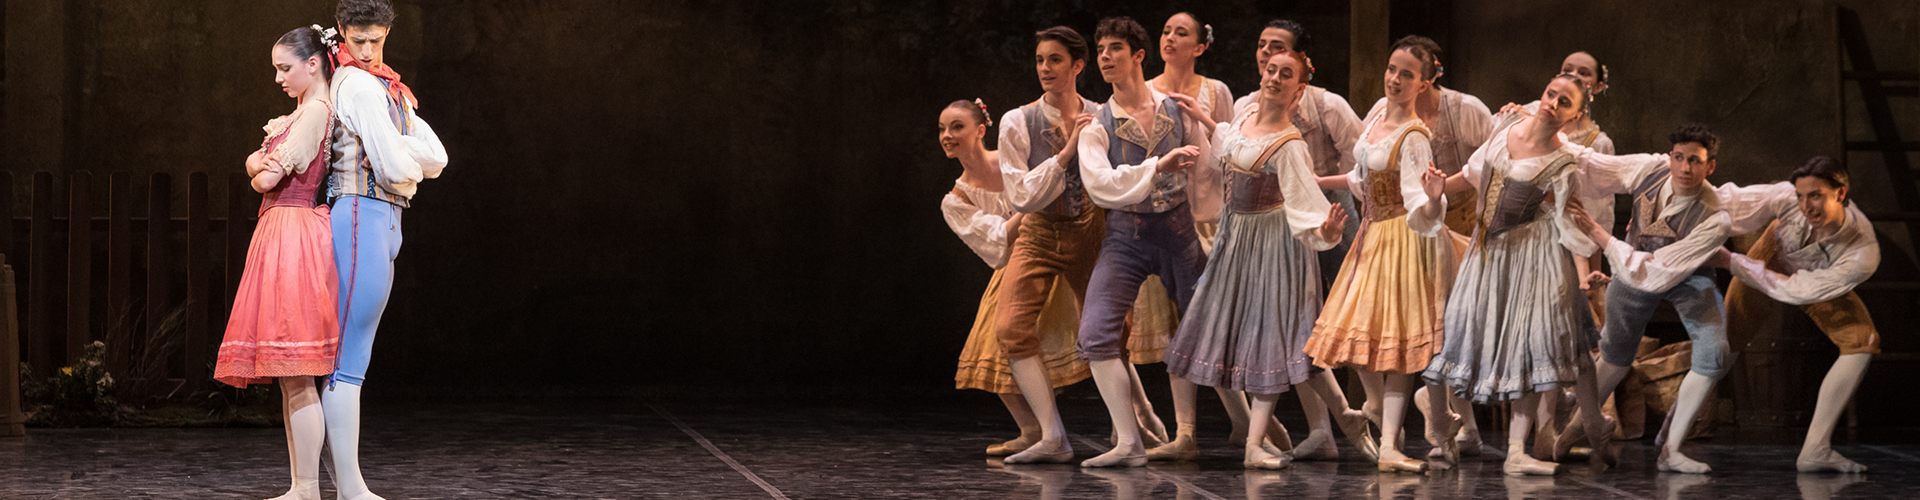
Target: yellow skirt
[[1385, 311], [983, 367], [1151, 323]]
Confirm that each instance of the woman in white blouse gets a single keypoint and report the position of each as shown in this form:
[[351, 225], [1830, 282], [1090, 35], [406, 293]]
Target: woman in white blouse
[[1255, 305], [978, 212], [1383, 317]]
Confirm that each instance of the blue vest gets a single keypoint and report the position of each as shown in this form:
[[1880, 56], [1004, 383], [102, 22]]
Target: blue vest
[[1073, 199], [1170, 189]]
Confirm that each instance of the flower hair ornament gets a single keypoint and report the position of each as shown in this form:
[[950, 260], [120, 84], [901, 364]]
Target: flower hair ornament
[[1308, 61], [1603, 79], [983, 111], [333, 46], [1438, 69], [1209, 28]]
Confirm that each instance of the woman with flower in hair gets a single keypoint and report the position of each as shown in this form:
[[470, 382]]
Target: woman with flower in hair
[[284, 325], [978, 211]]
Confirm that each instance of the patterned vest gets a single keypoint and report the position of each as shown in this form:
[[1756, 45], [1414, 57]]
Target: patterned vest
[[1383, 186], [1167, 131], [1073, 199], [1648, 232]]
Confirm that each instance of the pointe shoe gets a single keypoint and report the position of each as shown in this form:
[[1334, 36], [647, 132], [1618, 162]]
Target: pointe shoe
[[1402, 465], [1013, 446], [1468, 443], [1545, 440], [1266, 445], [1603, 453], [1152, 430], [1356, 425], [1675, 462], [1316, 447], [1832, 462], [1041, 454], [1563, 443], [1446, 452], [1521, 466], [1116, 457], [1276, 463], [1181, 449]]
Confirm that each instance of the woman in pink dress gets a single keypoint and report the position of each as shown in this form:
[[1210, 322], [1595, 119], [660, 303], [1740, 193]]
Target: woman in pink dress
[[285, 323]]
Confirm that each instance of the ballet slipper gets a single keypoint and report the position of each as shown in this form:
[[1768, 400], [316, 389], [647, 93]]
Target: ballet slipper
[[1355, 424], [1013, 446], [1545, 442], [1117, 457], [1181, 449], [1266, 445], [1827, 462], [1523, 465], [1673, 461], [1043, 453], [1317, 446], [1152, 430]]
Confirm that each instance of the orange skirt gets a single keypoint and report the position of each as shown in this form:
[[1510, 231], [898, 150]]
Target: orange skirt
[[286, 319]]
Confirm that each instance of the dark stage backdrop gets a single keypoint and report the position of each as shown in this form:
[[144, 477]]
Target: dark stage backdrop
[[718, 194]]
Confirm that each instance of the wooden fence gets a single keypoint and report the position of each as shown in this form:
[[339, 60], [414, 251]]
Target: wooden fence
[[56, 266]]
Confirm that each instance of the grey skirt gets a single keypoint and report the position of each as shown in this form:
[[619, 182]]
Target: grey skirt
[[1516, 321], [1252, 309]]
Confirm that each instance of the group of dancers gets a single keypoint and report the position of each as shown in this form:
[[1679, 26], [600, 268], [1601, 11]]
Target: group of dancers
[[1464, 246], [336, 174]]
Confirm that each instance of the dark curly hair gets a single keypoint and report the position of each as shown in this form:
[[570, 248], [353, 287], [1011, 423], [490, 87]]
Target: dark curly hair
[[1123, 28], [1697, 133], [364, 13]]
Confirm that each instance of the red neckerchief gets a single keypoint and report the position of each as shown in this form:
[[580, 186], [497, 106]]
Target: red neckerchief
[[395, 90]]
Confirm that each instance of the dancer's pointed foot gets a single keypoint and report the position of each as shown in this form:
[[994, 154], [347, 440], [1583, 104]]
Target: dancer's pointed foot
[[1392, 460], [1266, 445], [1016, 445], [1468, 440], [1568, 437], [1262, 457], [1446, 452], [1522, 465], [1827, 461], [1317, 446], [1673, 461], [1183, 448], [1544, 441], [1356, 425], [1603, 453], [1043, 452], [1119, 456], [1152, 430]]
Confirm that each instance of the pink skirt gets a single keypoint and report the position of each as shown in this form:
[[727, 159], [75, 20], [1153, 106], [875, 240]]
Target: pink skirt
[[285, 318]]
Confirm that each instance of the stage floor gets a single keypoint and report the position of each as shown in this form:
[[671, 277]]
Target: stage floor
[[931, 448]]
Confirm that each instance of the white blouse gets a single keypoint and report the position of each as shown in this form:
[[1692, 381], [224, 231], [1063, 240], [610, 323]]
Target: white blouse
[[1565, 185], [980, 220], [1820, 270], [1425, 216], [1117, 186], [1029, 190], [1337, 123], [1603, 175], [1307, 207]]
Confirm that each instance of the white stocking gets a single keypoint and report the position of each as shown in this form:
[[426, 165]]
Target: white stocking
[[306, 431], [1838, 387], [1115, 383], [1694, 391], [1038, 390], [341, 403]]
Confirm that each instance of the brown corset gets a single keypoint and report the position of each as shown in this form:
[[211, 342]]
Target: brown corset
[[1253, 189], [1383, 186]]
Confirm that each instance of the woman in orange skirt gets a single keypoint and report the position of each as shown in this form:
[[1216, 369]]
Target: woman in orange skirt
[[285, 322]]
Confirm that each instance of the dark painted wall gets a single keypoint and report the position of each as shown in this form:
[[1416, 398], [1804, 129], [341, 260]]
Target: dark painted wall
[[708, 193]]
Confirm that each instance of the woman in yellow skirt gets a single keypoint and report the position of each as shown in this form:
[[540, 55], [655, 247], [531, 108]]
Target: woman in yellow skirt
[[1383, 316], [978, 212]]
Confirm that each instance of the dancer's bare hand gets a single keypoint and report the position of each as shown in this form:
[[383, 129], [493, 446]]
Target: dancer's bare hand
[[1073, 127], [1513, 108], [272, 164], [1335, 225], [1585, 223], [1013, 226], [1433, 181], [1181, 158], [1594, 280]]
